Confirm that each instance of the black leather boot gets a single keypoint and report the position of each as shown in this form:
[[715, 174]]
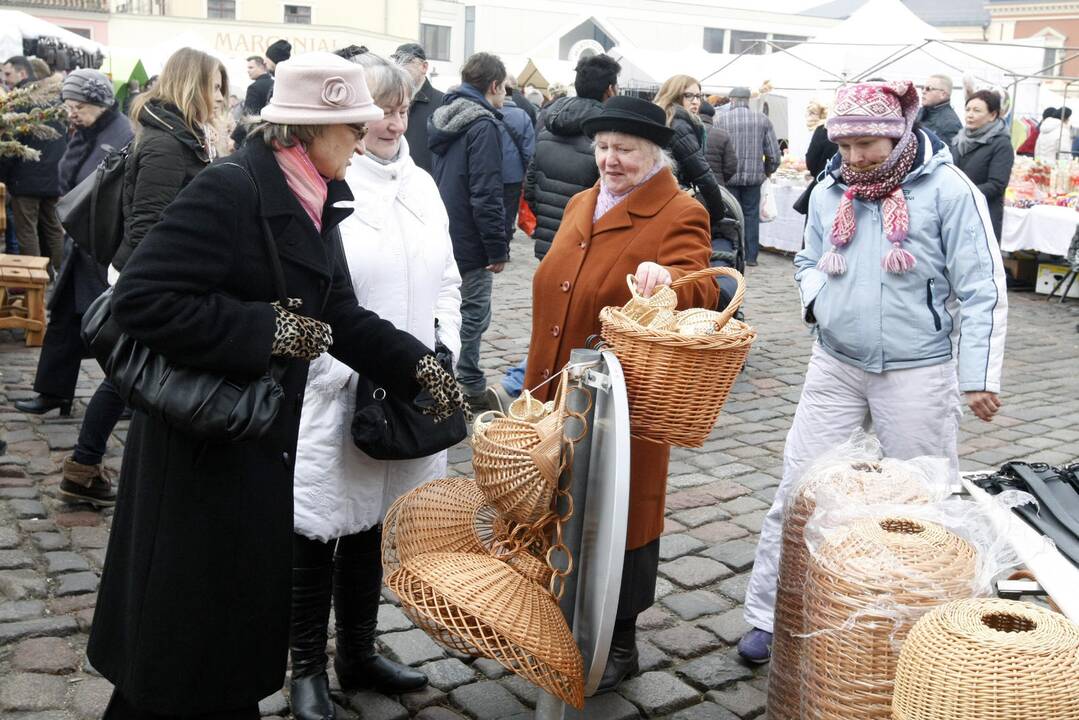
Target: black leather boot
[[42, 404], [309, 689], [357, 584], [621, 660]]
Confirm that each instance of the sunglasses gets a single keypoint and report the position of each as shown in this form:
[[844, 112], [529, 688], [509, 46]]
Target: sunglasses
[[929, 88], [692, 96]]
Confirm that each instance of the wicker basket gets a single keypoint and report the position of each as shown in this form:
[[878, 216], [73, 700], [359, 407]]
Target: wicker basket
[[480, 606], [676, 383], [989, 659], [445, 515], [863, 594], [887, 481], [517, 464]]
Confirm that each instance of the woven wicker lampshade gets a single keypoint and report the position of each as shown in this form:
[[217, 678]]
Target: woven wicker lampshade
[[481, 606], [864, 591], [517, 463], [989, 659], [886, 481]]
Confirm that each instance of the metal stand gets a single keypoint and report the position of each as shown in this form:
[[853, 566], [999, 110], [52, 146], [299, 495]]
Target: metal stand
[[596, 534]]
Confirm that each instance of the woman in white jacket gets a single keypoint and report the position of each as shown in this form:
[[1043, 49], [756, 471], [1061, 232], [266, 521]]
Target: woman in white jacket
[[400, 258]]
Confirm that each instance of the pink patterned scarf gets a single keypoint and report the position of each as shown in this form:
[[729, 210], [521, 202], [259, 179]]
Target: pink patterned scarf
[[303, 180], [879, 184], [608, 200]]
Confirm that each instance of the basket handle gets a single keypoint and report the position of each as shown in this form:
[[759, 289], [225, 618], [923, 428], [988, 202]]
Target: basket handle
[[739, 294]]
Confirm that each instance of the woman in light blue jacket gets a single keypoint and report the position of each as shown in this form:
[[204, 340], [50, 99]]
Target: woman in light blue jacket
[[899, 252]]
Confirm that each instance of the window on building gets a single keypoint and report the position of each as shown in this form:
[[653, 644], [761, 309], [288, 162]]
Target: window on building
[[786, 41], [746, 41], [436, 41], [714, 40], [221, 9], [298, 14], [470, 30], [85, 32]]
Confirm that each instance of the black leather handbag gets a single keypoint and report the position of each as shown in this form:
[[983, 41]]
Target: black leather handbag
[[387, 428], [198, 403], [92, 211]]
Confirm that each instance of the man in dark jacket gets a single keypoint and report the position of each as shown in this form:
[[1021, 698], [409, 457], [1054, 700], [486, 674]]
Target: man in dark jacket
[[34, 185], [466, 141], [937, 113], [425, 99], [258, 94], [564, 163]]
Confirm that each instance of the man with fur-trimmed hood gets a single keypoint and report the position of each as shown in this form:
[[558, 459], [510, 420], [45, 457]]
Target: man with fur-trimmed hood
[[466, 143]]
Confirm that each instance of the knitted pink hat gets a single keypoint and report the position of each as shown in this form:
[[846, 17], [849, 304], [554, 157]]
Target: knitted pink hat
[[874, 110], [320, 88]]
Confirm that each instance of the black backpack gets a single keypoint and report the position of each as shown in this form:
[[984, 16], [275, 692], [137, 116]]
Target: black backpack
[[92, 211]]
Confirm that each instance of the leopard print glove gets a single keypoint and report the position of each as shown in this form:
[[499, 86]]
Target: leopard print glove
[[299, 336], [443, 388]]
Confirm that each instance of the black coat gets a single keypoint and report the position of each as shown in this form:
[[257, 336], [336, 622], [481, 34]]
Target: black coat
[[424, 103], [720, 154], [85, 151], [819, 152], [258, 94], [36, 178], [942, 120], [193, 609], [464, 137], [166, 158], [563, 165], [989, 166], [522, 102]]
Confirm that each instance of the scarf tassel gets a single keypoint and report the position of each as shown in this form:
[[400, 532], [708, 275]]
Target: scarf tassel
[[897, 260], [832, 263]]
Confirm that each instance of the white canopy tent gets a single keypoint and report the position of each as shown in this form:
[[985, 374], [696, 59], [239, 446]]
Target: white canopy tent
[[15, 26]]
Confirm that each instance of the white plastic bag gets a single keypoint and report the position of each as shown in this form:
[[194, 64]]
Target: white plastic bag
[[769, 208]]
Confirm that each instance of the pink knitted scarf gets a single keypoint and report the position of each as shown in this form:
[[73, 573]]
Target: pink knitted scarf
[[879, 184], [303, 180], [606, 200]]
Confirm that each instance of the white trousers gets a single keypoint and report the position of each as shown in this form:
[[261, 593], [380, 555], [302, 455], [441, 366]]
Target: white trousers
[[914, 412]]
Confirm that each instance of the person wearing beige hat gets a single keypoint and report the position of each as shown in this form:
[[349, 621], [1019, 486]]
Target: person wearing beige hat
[[193, 609]]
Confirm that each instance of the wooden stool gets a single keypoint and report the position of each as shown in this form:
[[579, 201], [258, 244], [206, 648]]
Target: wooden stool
[[27, 311]]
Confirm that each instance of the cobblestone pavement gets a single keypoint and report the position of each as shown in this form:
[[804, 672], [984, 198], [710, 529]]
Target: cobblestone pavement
[[51, 553]]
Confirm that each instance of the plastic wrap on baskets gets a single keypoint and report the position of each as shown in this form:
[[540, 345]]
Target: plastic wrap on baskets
[[873, 572], [481, 606], [677, 384], [982, 659], [853, 474]]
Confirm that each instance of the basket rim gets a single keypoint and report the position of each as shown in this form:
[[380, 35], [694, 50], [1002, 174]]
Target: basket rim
[[612, 318]]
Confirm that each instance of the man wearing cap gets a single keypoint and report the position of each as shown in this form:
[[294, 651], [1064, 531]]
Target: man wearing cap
[[755, 145], [897, 238], [465, 138], [425, 99]]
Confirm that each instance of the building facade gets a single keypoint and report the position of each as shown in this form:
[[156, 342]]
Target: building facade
[[1055, 22]]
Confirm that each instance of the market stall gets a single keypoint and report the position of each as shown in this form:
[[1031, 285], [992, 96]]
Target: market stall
[[24, 34], [1041, 207], [784, 233]]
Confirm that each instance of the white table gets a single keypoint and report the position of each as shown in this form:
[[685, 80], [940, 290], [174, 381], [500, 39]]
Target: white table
[[785, 232], [1043, 228]]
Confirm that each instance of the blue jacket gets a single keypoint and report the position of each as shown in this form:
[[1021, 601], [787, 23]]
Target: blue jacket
[[517, 129], [466, 143], [880, 321]]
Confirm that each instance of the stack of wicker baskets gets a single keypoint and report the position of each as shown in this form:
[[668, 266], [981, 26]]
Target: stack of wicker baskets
[[865, 589], [851, 482], [989, 659], [678, 374]]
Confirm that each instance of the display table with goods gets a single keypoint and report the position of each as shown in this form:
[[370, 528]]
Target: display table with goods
[[1041, 207], [784, 233], [523, 564], [884, 606]]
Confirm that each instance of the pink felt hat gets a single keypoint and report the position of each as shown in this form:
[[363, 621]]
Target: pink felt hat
[[874, 110], [320, 88]]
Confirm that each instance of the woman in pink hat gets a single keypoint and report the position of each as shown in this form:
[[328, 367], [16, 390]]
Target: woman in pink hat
[[193, 609]]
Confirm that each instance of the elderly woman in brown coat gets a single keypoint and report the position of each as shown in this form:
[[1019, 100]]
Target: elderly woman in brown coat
[[635, 220]]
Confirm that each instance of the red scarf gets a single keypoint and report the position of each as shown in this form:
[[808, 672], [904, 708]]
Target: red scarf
[[303, 180], [879, 184]]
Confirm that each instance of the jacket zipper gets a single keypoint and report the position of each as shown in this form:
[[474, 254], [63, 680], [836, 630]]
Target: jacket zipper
[[929, 303]]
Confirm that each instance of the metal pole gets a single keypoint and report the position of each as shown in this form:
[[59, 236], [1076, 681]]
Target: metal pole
[[548, 707]]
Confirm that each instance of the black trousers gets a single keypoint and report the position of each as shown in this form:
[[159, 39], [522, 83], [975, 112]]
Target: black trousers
[[640, 568], [511, 200], [101, 417], [63, 349], [120, 709]]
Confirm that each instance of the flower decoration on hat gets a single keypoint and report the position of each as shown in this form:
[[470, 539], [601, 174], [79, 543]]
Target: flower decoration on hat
[[97, 91], [336, 91]]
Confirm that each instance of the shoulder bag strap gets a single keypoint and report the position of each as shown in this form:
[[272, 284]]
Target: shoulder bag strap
[[267, 237]]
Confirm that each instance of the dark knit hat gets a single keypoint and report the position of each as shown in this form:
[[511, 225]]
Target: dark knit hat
[[410, 51], [279, 51], [706, 109], [88, 86], [631, 116]]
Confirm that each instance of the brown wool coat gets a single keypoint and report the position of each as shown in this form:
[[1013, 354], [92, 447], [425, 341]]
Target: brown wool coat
[[586, 270]]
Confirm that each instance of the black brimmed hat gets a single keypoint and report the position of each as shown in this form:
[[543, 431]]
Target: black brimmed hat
[[631, 116]]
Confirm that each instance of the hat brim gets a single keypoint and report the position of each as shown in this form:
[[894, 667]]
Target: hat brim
[[320, 116], [630, 124]]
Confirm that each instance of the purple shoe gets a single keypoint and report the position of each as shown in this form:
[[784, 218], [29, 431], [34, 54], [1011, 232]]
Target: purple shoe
[[756, 646]]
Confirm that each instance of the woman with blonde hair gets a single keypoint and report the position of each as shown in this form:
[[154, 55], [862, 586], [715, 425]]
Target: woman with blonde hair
[[680, 97], [820, 149]]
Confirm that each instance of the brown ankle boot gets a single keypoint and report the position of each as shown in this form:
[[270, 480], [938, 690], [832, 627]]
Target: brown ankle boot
[[87, 483]]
